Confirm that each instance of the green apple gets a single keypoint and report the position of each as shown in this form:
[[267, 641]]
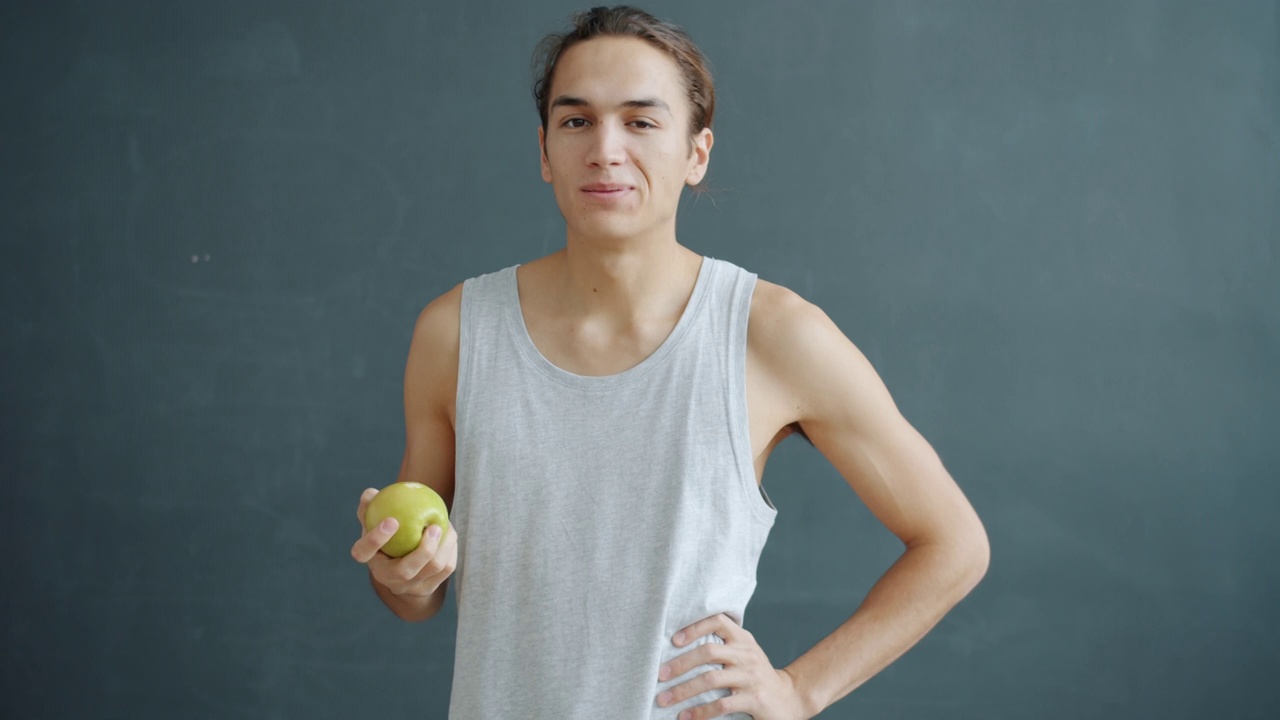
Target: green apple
[[414, 506]]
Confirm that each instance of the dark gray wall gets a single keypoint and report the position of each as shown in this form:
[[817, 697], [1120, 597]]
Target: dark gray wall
[[1052, 227]]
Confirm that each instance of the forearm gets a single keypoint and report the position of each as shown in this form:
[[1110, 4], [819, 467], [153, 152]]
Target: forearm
[[908, 600], [409, 608]]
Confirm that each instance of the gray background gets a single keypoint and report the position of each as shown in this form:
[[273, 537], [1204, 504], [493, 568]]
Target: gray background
[[1051, 226]]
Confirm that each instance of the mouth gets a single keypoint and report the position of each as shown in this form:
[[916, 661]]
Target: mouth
[[606, 191]]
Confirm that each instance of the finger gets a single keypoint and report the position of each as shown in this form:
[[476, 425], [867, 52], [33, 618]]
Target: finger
[[421, 556], [450, 537], [446, 555], [365, 497], [372, 541], [433, 538], [705, 654], [704, 682], [727, 705], [718, 623]]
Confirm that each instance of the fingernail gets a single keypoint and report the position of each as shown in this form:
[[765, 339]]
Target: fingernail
[[387, 525], [679, 637], [664, 698], [434, 532], [664, 672]]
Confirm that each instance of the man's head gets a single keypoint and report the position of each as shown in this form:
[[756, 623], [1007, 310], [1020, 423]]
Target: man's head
[[624, 21], [626, 102]]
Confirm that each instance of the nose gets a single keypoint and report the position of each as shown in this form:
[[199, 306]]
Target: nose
[[608, 145]]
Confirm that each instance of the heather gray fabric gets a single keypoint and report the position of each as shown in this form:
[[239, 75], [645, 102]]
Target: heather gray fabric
[[598, 516]]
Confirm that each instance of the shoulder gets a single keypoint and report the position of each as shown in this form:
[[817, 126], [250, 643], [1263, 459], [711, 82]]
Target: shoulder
[[433, 351], [772, 303], [780, 318], [431, 371], [805, 355], [440, 321]]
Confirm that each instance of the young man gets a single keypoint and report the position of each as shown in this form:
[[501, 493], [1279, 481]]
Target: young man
[[599, 420]]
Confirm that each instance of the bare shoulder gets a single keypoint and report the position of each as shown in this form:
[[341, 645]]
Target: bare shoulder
[[431, 372], [790, 337], [773, 305], [441, 317], [810, 362]]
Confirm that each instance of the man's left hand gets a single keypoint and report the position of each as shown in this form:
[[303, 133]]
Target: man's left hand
[[758, 689]]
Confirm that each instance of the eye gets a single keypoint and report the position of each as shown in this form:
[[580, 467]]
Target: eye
[[644, 125], [569, 123]]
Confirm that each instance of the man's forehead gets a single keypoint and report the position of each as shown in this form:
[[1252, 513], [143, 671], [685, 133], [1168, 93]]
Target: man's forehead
[[573, 101], [609, 72]]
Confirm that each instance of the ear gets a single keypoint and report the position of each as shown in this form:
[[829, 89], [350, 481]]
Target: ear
[[700, 157], [542, 151]]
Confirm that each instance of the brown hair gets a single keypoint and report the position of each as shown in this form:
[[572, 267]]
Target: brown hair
[[625, 21]]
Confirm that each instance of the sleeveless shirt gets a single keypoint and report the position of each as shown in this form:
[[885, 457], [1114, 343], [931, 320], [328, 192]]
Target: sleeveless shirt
[[599, 515]]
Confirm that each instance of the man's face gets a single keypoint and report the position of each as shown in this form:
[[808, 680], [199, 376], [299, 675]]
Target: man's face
[[616, 149]]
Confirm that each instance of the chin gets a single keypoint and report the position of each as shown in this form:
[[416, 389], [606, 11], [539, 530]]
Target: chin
[[608, 228]]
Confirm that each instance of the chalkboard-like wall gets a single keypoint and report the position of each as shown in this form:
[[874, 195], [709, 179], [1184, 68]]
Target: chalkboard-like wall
[[1051, 226]]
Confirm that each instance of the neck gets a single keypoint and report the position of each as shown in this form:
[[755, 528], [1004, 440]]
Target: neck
[[624, 284]]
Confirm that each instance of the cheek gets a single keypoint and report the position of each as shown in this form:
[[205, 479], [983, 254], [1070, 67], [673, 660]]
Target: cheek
[[554, 154]]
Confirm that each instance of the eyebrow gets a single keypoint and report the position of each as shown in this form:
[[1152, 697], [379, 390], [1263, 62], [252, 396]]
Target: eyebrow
[[572, 101]]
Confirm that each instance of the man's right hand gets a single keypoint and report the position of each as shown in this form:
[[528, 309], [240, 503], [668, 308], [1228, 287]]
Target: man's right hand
[[418, 574]]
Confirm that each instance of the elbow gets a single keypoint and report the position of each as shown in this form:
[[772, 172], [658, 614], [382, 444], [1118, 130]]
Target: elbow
[[968, 556], [976, 558]]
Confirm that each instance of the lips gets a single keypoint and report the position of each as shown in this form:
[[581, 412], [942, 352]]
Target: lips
[[605, 188]]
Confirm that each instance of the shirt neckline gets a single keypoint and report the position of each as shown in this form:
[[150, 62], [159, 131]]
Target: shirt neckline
[[601, 382]]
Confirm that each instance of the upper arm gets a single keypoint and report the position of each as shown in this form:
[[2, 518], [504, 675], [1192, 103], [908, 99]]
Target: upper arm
[[430, 384], [844, 407]]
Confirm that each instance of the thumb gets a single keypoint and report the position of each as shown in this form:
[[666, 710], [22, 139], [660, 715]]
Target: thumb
[[365, 497], [372, 540]]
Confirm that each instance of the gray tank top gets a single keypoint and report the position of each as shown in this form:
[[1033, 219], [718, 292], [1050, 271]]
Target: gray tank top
[[599, 515]]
